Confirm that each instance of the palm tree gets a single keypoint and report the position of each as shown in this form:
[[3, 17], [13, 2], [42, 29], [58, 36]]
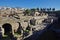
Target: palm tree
[[44, 9], [41, 9], [48, 9], [53, 9], [38, 9]]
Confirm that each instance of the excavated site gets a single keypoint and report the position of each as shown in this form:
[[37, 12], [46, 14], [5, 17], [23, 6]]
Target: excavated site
[[13, 21]]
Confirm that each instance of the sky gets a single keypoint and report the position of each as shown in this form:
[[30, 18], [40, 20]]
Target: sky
[[31, 3]]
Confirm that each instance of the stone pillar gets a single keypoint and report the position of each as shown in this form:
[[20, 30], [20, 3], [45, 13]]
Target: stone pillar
[[2, 32], [31, 31], [12, 30]]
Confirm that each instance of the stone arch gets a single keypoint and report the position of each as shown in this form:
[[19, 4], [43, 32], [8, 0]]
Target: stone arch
[[7, 28]]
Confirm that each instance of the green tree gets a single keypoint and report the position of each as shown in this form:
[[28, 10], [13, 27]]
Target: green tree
[[44, 9], [48, 9], [41, 9], [53, 9], [33, 11], [27, 12], [38, 9]]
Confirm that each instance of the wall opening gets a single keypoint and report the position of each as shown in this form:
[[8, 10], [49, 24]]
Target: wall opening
[[7, 28]]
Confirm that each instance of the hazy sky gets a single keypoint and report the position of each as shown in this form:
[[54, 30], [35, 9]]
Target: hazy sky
[[31, 3]]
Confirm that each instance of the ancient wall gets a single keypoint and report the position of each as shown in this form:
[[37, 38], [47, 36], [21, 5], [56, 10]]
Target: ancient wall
[[13, 23]]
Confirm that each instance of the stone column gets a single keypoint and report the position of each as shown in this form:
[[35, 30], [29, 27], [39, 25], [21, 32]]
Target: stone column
[[12, 30], [2, 32]]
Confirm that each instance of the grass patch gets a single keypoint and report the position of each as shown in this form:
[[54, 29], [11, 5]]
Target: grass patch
[[5, 36], [16, 34], [26, 30]]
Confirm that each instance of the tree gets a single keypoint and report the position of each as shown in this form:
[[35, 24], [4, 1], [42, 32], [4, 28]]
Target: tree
[[27, 12], [38, 9], [53, 9], [41, 9], [33, 11], [48, 9]]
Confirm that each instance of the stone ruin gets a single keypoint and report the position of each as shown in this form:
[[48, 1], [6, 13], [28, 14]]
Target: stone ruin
[[10, 23]]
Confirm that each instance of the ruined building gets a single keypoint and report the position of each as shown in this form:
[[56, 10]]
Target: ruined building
[[14, 21]]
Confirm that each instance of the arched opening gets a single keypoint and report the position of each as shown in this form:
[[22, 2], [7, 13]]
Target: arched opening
[[7, 28]]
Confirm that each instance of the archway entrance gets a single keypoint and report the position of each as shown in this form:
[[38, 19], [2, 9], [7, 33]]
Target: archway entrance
[[7, 28]]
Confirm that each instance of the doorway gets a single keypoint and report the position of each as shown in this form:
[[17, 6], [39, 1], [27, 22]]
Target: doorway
[[7, 28]]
